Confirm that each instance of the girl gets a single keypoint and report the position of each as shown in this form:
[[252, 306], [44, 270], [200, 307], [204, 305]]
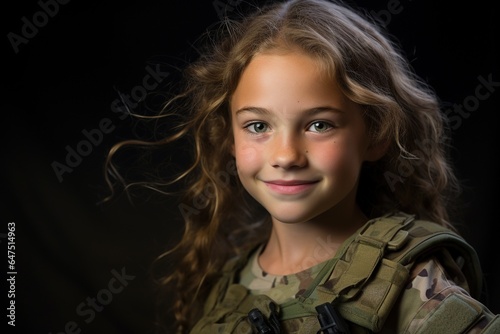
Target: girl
[[313, 138]]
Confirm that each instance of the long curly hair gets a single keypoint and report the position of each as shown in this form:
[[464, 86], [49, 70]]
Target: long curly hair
[[400, 109]]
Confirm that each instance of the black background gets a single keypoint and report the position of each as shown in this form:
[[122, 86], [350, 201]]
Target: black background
[[64, 80]]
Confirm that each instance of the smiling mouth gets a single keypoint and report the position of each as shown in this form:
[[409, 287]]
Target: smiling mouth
[[291, 187]]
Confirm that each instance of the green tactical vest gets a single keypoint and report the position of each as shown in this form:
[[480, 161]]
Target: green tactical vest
[[363, 281]]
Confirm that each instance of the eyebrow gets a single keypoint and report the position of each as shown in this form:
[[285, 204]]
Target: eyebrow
[[311, 111]]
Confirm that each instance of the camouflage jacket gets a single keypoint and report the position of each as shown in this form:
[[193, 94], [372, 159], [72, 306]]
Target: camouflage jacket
[[397, 275]]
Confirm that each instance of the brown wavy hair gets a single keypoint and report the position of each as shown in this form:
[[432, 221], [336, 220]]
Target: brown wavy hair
[[400, 109]]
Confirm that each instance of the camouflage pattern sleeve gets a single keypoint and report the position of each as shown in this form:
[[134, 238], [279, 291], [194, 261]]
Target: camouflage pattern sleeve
[[433, 303]]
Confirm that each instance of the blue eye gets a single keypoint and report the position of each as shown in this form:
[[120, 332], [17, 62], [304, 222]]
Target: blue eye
[[319, 126], [257, 127]]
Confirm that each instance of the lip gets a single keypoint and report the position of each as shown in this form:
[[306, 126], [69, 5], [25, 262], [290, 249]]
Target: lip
[[290, 187]]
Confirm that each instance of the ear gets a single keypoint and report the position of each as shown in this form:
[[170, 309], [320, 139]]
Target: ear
[[377, 150]]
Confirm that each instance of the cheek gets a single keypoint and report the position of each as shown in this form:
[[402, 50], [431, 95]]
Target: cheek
[[339, 157], [330, 160], [247, 158]]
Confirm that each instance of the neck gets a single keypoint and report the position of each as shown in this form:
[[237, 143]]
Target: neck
[[292, 248]]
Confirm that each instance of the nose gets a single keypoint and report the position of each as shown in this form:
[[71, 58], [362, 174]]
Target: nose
[[287, 151]]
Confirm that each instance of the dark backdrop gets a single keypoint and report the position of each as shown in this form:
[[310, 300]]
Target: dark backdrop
[[59, 86]]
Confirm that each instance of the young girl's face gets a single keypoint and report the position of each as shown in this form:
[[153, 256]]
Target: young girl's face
[[298, 141]]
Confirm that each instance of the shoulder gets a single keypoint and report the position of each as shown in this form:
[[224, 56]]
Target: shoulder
[[227, 275], [443, 283], [237, 262], [432, 301], [415, 262], [410, 240]]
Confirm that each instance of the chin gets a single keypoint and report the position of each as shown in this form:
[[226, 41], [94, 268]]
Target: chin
[[292, 218]]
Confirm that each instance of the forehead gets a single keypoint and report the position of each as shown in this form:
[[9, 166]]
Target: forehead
[[281, 65], [286, 79]]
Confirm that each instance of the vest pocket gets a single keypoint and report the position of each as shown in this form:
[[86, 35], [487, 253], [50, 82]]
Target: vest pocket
[[374, 301], [230, 314]]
